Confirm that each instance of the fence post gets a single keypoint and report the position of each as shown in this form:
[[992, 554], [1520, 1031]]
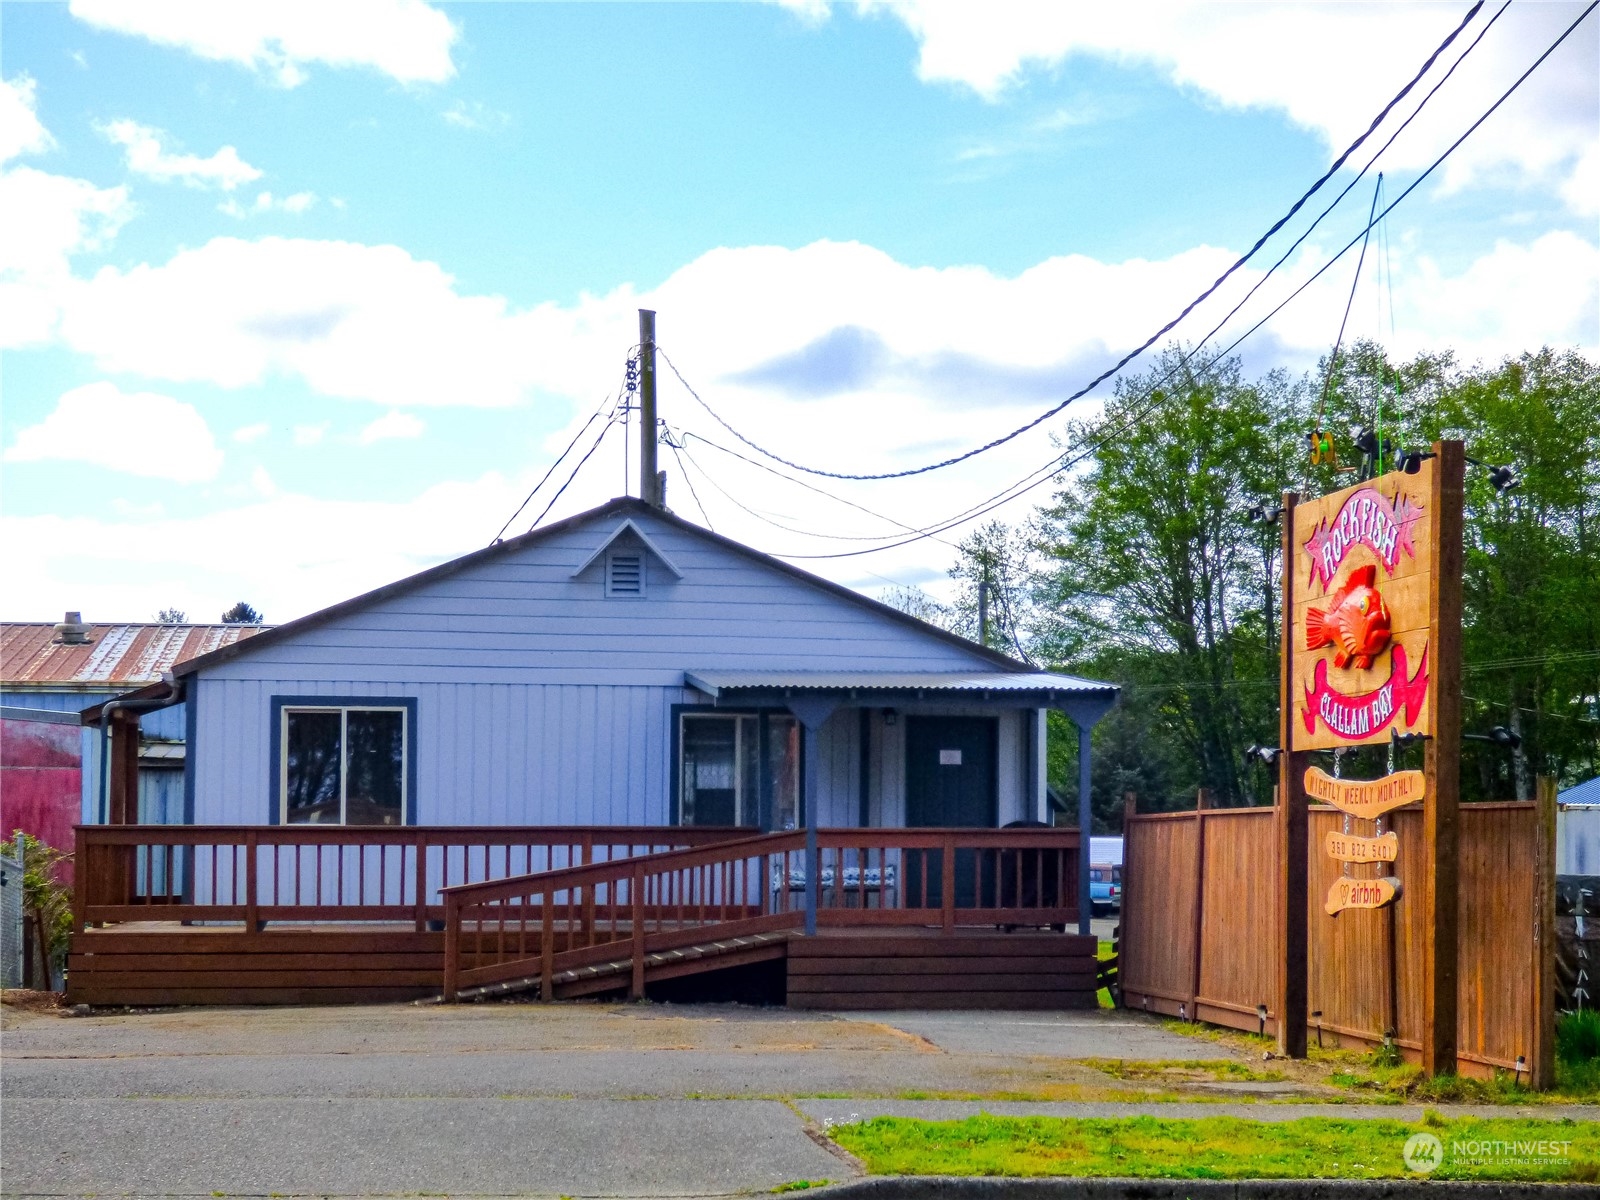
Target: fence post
[[1202, 802], [547, 946], [452, 946], [252, 907], [1130, 809], [1542, 1058], [947, 884], [636, 902]]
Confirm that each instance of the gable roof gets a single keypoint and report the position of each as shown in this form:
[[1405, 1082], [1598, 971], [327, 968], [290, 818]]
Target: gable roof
[[625, 506]]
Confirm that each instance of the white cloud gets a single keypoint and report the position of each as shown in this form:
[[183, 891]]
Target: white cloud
[[246, 434], [1329, 67], [392, 425], [20, 129], [311, 435], [266, 202], [404, 39], [146, 155], [362, 322], [475, 115], [142, 433], [288, 553], [45, 220]]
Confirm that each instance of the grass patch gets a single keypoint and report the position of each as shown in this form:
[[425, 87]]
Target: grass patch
[[1104, 951], [1221, 1147], [802, 1185]]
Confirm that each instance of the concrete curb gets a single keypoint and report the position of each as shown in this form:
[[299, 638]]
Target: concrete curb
[[945, 1187]]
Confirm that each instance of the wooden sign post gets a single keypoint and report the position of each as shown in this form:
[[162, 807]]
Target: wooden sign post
[[1372, 647]]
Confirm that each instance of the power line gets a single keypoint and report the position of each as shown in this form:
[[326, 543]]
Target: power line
[[1371, 162], [684, 471], [552, 470], [605, 429], [1060, 463], [1148, 342]]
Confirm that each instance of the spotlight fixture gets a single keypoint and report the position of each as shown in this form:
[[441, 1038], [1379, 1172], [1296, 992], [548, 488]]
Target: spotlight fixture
[[1498, 736], [1267, 754], [1402, 740], [1264, 514], [1410, 461], [1502, 479]]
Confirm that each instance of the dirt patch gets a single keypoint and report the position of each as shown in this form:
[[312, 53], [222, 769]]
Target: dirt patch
[[32, 1001]]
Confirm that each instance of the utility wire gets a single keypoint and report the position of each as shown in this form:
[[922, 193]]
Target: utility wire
[[1366, 236], [605, 429], [1371, 162], [552, 470], [1064, 463], [1148, 342], [684, 471]]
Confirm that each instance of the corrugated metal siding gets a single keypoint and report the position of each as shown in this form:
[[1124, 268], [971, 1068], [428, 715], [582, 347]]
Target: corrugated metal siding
[[163, 723]]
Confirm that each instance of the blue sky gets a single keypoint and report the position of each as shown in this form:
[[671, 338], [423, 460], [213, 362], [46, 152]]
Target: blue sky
[[295, 305]]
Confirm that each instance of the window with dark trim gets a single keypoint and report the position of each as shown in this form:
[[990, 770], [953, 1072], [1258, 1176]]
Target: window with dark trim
[[343, 765], [738, 769]]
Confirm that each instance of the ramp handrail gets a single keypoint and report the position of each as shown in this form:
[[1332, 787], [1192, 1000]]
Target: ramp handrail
[[545, 923]]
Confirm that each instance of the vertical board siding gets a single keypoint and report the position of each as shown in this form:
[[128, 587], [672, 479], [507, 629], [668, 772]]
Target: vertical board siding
[[486, 754], [1348, 960]]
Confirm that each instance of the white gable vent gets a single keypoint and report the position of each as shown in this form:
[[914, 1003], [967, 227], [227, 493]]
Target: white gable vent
[[625, 574]]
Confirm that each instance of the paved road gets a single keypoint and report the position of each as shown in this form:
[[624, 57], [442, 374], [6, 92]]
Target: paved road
[[572, 1099]]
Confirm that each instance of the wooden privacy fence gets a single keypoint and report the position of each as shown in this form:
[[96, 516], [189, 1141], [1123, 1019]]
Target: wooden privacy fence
[[549, 924], [1199, 931], [255, 874]]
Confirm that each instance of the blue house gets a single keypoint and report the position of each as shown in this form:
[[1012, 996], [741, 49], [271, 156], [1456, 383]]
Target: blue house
[[620, 670]]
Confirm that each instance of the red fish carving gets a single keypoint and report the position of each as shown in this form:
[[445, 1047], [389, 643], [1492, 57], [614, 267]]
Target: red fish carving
[[1357, 621]]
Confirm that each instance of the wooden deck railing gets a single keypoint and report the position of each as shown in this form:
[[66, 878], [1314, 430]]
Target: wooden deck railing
[[547, 923], [328, 873]]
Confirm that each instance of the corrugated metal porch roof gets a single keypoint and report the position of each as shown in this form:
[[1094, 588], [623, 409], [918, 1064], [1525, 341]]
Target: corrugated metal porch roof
[[716, 683]]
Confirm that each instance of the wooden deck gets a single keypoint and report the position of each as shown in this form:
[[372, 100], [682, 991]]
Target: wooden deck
[[154, 963], [301, 915]]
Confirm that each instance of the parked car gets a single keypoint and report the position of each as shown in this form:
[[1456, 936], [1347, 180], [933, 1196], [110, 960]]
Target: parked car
[[1105, 888]]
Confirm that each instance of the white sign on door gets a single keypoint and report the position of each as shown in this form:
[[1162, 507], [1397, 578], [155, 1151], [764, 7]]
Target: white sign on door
[[949, 758]]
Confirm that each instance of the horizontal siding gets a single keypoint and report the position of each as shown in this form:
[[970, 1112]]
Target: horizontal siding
[[522, 618]]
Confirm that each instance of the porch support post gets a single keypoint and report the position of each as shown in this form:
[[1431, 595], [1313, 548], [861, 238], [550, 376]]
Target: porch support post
[[1085, 824], [812, 712]]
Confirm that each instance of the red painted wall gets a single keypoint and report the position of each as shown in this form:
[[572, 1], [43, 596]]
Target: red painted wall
[[41, 782]]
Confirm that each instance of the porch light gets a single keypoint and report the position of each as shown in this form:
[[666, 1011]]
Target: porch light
[[890, 716]]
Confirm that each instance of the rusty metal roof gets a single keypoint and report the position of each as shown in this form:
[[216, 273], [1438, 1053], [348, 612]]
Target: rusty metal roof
[[116, 656]]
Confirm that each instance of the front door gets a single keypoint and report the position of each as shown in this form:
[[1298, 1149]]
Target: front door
[[950, 771], [950, 782]]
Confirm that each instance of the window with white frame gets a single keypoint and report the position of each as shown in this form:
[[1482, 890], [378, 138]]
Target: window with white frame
[[343, 765]]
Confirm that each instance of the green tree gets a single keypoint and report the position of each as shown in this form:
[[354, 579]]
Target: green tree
[[1158, 579], [241, 614]]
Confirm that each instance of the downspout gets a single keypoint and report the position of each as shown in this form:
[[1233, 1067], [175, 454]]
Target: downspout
[[107, 711]]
